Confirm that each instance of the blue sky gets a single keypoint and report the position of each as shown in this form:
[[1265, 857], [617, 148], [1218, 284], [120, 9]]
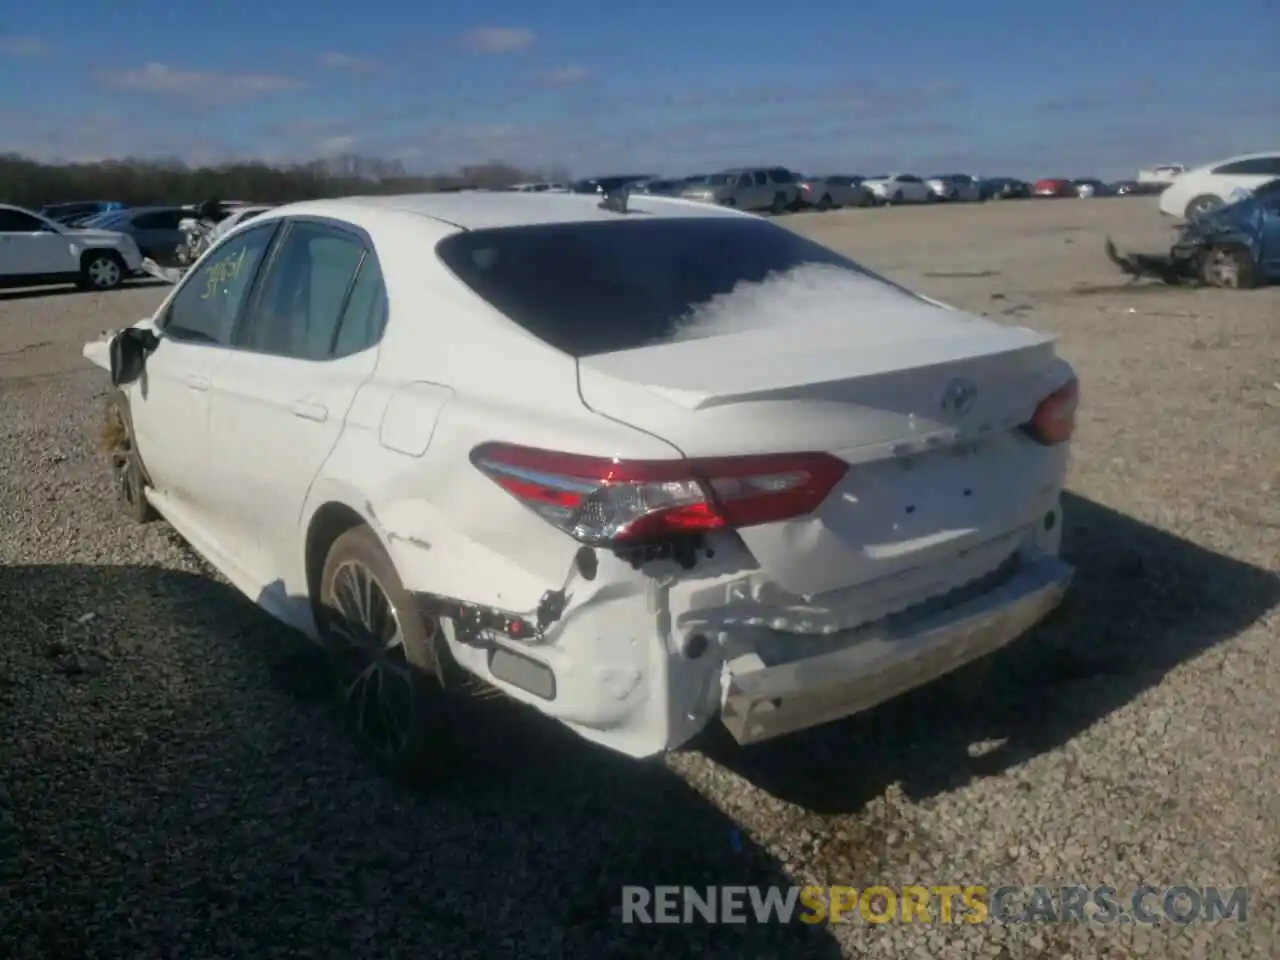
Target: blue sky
[[1031, 89]]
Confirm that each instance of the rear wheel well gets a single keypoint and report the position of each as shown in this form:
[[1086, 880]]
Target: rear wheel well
[[329, 523]]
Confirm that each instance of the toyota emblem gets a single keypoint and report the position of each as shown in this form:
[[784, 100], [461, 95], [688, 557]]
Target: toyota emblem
[[959, 396]]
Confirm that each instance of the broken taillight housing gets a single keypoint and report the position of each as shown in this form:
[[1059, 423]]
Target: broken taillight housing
[[1054, 421], [599, 500]]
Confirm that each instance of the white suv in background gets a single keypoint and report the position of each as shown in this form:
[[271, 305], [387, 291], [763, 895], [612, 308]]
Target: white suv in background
[[1216, 184], [35, 250]]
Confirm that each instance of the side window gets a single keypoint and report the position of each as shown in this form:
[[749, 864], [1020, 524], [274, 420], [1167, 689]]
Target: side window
[[205, 308], [1258, 166], [304, 293], [780, 176], [744, 181], [366, 311], [151, 221], [761, 178], [908, 178], [15, 221]]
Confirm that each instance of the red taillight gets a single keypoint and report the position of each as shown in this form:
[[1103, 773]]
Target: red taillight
[[601, 500], [1055, 418]]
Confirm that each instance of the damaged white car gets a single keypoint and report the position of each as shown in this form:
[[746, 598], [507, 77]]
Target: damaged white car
[[642, 464]]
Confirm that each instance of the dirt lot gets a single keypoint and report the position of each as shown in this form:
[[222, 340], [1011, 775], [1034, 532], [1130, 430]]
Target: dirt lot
[[172, 785]]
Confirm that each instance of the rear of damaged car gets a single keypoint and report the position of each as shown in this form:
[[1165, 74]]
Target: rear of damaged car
[[1236, 246], [740, 477]]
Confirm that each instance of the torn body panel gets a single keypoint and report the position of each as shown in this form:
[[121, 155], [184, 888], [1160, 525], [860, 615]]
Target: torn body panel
[[1243, 236]]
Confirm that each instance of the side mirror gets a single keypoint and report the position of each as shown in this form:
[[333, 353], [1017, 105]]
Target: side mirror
[[129, 351]]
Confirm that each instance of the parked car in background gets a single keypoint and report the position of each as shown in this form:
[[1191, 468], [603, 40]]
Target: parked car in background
[[35, 250], [748, 188], [69, 212], [1216, 184], [541, 187], [697, 511], [955, 186], [899, 188], [658, 187], [1234, 246], [237, 217], [1054, 187], [1088, 187], [156, 230], [834, 190], [602, 185], [1161, 175], [1004, 188]]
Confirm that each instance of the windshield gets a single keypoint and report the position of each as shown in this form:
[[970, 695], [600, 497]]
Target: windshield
[[716, 179], [101, 220], [589, 288]]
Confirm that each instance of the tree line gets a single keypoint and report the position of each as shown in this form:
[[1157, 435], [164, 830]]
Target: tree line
[[31, 183]]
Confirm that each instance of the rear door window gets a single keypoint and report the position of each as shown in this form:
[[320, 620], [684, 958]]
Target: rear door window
[[304, 293]]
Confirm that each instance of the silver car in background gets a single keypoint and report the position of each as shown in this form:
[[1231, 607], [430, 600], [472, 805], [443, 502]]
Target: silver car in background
[[956, 186], [834, 190], [775, 189]]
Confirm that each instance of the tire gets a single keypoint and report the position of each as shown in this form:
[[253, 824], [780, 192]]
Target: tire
[[393, 697], [825, 202], [1230, 268], [779, 205], [101, 270], [126, 468], [1199, 206]]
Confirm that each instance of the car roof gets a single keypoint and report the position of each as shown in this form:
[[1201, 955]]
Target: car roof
[[479, 211]]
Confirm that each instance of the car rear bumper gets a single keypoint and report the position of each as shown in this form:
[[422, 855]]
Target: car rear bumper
[[761, 702]]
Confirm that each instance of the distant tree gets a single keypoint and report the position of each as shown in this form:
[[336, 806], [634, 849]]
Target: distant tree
[[30, 183]]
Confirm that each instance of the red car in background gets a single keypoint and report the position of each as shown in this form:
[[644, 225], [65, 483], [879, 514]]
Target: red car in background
[[1054, 187]]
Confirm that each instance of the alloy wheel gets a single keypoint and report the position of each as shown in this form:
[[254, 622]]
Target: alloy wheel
[[1222, 269], [367, 651]]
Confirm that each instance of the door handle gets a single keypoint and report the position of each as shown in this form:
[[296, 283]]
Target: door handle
[[310, 410], [198, 383]]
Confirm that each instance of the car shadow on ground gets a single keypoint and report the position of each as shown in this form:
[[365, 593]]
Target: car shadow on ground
[[176, 778], [36, 293], [1143, 601]]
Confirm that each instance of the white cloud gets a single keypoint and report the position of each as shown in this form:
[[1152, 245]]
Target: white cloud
[[333, 60], [22, 47], [565, 76], [499, 39], [333, 146], [210, 86]]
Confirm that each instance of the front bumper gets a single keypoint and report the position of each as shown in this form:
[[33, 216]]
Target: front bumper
[[761, 702]]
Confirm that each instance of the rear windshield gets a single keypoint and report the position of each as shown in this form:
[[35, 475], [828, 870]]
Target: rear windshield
[[590, 288]]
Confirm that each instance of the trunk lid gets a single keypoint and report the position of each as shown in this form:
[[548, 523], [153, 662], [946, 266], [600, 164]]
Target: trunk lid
[[923, 401]]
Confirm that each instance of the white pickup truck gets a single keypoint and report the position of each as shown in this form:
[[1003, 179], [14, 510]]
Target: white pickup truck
[[1165, 173]]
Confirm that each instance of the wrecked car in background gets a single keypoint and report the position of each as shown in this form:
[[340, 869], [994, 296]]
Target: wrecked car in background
[[774, 490], [1236, 246], [199, 229]]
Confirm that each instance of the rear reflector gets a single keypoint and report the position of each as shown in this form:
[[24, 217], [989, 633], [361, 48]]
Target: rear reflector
[[605, 501], [1054, 421]]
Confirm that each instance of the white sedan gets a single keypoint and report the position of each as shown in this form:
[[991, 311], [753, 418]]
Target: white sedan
[[34, 250], [773, 489], [1204, 189], [899, 188]]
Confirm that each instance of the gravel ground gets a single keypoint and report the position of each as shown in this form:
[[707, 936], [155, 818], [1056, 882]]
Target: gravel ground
[[172, 784]]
